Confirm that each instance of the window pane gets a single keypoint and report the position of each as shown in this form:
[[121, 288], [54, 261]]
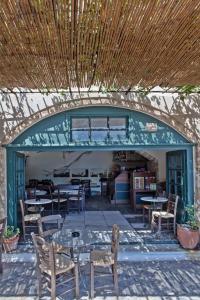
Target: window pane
[[117, 123], [99, 135], [118, 135], [80, 135], [80, 123], [99, 123]]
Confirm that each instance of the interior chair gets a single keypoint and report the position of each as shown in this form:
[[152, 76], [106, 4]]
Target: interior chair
[[27, 218], [31, 194], [2, 228], [168, 216], [75, 202], [52, 265], [60, 199], [103, 258]]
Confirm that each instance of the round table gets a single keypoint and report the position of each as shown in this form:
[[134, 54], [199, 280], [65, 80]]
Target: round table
[[36, 202], [154, 200], [65, 238], [40, 192], [66, 191]]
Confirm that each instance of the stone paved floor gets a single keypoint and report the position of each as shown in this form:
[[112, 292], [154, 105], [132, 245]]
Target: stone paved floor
[[141, 279]]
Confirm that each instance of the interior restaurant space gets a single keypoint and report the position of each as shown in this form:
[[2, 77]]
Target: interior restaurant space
[[109, 180]]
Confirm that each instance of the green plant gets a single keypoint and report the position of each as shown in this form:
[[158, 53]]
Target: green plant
[[10, 231], [191, 219]]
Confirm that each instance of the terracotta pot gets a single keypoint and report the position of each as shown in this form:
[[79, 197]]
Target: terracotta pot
[[11, 243], [187, 237]]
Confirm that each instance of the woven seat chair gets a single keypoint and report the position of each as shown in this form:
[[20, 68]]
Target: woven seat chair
[[2, 228], [61, 199], [148, 208], [77, 200], [103, 258], [47, 234], [167, 216], [51, 265], [27, 218], [31, 194]]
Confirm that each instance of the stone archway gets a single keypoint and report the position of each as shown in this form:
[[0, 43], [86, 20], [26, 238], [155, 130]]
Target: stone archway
[[96, 102], [72, 104]]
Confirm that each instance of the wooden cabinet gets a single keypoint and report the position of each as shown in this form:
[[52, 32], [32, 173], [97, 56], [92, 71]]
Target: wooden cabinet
[[122, 188], [142, 184]]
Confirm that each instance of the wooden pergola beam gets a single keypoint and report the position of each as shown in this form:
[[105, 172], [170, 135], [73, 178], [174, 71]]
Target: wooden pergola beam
[[66, 44]]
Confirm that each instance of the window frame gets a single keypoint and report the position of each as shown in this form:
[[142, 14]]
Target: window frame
[[90, 129]]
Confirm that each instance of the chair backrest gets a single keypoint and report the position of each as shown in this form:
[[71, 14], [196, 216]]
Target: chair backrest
[[22, 208], [2, 228], [115, 240], [44, 253], [172, 204], [55, 219], [31, 193]]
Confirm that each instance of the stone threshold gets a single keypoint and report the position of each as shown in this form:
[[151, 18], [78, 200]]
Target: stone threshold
[[125, 256]]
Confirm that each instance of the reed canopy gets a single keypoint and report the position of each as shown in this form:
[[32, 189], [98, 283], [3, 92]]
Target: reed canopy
[[106, 43]]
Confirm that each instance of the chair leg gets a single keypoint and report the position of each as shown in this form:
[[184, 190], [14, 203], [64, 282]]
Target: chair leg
[[53, 287], [143, 216], [76, 281], [152, 223], [159, 226], [91, 280], [1, 267], [39, 286], [115, 276], [24, 231], [174, 225]]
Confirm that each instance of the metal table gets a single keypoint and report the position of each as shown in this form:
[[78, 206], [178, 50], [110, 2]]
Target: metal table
[[155, 204], [39, 202]]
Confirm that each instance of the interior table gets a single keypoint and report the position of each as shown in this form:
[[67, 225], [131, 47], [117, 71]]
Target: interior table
[[40, 192], [66, 191], [38, 202]]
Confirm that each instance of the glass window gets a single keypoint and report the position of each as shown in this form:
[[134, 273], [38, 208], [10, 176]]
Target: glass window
[[99, 123], [99, 129], [99, 135], [80, 123], [80, 136], [117, 123]]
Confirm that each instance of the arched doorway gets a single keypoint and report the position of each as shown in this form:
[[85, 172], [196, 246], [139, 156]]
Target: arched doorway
[[99, 129]]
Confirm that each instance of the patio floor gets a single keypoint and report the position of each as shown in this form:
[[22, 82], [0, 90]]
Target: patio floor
[[141, 279]]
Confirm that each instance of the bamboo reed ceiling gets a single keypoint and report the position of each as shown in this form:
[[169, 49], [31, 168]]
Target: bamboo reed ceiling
[[110, 43]]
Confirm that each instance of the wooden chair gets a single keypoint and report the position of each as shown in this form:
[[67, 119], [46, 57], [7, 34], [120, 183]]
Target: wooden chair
[[2, 228], [148, 208], [168, 215], [51, 265], [47, 234], [76, 200], [27, 218], [56, 219], [103, 258], [31, 194], [60, 199]]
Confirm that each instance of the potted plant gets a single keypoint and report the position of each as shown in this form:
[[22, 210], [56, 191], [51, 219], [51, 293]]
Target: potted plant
[[188, 233], [10, 238]]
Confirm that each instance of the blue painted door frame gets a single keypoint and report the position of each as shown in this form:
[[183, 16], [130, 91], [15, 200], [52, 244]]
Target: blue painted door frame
[[53, 134]]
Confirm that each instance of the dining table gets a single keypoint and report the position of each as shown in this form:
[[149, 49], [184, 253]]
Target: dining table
[[38, 202], [156, 203]]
